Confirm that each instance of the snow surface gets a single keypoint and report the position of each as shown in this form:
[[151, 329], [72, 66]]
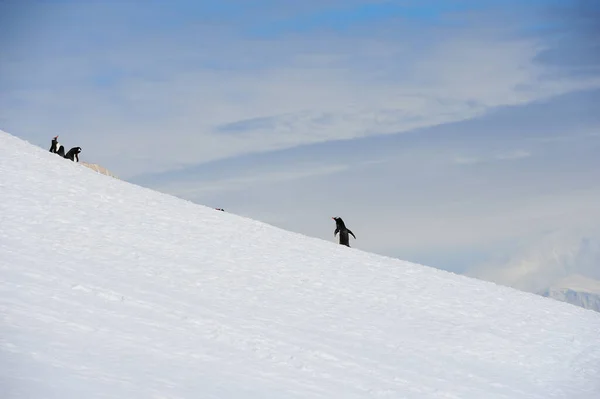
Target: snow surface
[[110, 290]]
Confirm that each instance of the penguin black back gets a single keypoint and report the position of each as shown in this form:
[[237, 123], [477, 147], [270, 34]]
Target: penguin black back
[[73, 154], [340, 227]]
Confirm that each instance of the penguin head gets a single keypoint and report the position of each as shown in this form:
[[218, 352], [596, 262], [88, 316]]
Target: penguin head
[[338, 221], [77, 150]]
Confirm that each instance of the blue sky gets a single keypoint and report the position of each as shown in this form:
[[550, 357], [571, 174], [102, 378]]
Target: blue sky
[[463, 135]]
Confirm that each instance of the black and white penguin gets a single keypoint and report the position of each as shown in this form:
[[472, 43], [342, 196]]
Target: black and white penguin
[[73, 154], [56, 147], [341, 228]]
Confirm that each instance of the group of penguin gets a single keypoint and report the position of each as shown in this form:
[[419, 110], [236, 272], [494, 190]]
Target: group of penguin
[[73, 155], [57, 148]]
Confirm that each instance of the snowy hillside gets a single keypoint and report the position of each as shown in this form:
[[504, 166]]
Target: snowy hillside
[[110, 290], [576, 290]]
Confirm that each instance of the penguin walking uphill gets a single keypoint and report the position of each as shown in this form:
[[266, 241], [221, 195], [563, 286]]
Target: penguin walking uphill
[[56, 147], [341, 228]]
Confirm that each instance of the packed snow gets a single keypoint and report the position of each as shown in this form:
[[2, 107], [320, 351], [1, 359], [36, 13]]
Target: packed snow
[[111, 290]]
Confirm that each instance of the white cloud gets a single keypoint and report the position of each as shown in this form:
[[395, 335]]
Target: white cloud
[[467, 160], [197, 185], [169, 115], [478, 221], [505, 156], [187, 188], [517, 154], [547, 260]]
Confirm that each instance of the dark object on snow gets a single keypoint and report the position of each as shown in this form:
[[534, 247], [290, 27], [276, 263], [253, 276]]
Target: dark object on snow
[[220, 209], [56, 147], [341, 228], [73, 154]]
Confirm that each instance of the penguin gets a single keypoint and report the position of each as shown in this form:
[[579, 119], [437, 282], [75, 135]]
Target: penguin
[[56, 147], [220, 209], [341, 228], [73, 154]]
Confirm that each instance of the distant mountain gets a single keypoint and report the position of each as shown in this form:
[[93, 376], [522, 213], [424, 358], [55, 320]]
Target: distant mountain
[[577, 290]]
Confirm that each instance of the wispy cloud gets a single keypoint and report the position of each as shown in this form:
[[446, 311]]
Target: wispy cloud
[[196, 183], [505, 156], [260, 178], [517, 154], [544, 262], [222, 94]]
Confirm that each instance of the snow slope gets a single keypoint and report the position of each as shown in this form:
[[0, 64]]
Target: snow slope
[[111, 290], [577, 290]]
